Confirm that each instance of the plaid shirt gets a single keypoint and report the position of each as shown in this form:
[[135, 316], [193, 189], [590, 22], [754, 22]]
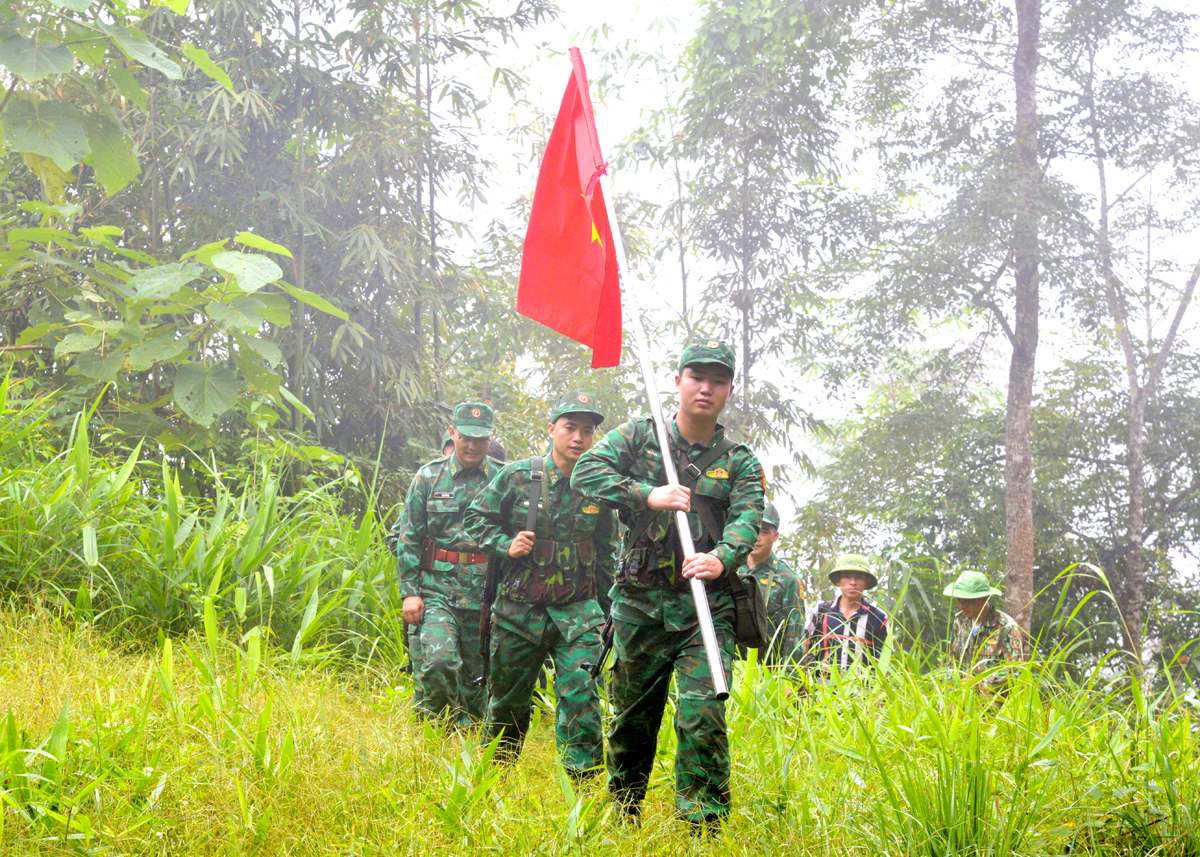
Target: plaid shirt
[[831, 637]]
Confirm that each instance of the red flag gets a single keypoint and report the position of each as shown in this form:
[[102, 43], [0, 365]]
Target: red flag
[[569, 278]]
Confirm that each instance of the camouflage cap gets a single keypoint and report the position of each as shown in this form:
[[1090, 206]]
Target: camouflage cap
[[853, 562], [770, 516], [446, 438], [971, 584], [576, 402], [473, 419], [711, 351]]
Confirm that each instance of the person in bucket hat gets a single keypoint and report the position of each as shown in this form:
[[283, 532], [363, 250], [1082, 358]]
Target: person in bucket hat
[[981, 637], [847, 630]]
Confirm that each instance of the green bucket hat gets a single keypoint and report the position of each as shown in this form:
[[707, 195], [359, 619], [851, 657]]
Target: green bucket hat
[[971, 584], [576, 402], [853, 562], [771, 516], [708, 351], [473, 419]]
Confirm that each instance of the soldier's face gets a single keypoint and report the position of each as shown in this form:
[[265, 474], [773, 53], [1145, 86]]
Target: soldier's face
[[971, 607], [572, 436], [469, 450], [767, 537], [703, 390]]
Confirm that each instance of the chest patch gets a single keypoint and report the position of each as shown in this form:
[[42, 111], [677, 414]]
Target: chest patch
[[443, 495], [590, 510], [717, 473]]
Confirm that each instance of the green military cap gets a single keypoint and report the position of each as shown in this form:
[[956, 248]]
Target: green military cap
[[473, 419], [771, 516], [708, 351], [853, 562], [446, 438], [971, 584], [576, 402]]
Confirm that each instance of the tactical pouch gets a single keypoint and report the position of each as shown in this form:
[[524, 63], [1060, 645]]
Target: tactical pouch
[[650, 565], [750, 622], [554, 573], [427, 550]]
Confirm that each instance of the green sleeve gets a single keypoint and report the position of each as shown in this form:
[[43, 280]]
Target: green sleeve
[[603, 472], [486, 519], [410, 530]]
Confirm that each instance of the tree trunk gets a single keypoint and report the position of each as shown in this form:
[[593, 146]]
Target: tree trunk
[[1018, 447]]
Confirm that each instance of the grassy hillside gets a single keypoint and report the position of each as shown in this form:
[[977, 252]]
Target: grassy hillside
[[212, 746]]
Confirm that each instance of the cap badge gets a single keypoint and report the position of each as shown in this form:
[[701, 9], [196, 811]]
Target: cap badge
[[712, 343], [583, 399], [474, 412]]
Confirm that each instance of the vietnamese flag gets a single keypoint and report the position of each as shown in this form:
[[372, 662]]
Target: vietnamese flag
[[569, 280]]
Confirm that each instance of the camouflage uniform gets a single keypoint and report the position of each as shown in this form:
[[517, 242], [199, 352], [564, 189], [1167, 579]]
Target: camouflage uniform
[[654, 619], [546, 606], [448, 660], [785, 608], [978, 645]]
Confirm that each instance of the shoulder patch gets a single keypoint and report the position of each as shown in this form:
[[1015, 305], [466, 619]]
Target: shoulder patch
[[590, 510], [717, 473]]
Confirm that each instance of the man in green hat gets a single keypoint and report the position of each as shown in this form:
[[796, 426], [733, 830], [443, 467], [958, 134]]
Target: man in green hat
[[442, 571], [847, 630], [655, 630], [982, 637], [782, 592], [554, 564]]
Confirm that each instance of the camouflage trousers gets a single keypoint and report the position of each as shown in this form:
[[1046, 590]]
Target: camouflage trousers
[[412, 638], [448, 665], [516, 664], [647, 656]]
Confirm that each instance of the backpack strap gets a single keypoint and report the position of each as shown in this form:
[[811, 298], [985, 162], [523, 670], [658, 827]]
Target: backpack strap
[[539, 490]]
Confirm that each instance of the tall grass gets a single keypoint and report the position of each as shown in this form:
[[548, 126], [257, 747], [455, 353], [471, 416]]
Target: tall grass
[[231, 729], [114, 540]]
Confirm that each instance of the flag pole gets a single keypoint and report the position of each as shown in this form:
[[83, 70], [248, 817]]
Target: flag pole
[[708, 633]]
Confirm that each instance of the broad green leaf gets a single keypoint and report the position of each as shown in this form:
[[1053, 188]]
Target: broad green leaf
[[73, 5], [251, 271], [75, 342], [165, 280], [313, 300], [54, 180], [157, 349], [295, 403], [32, 60], [37, 331], [41, 235], [91, 553], [264, 348], [102, 235], [276, 308], [205, 392], [259, 377], [112, 157], [88, 45], [100, 368], [204, 255], [179, 7], [260, 243], [127, 85], [204, 62], [239, 314], [139, 48], [49, 128]]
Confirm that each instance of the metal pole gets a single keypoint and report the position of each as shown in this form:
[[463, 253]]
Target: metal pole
[[699, 594]]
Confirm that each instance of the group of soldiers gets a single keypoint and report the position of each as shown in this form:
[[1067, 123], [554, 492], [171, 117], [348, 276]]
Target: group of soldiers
[[551, 546]]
